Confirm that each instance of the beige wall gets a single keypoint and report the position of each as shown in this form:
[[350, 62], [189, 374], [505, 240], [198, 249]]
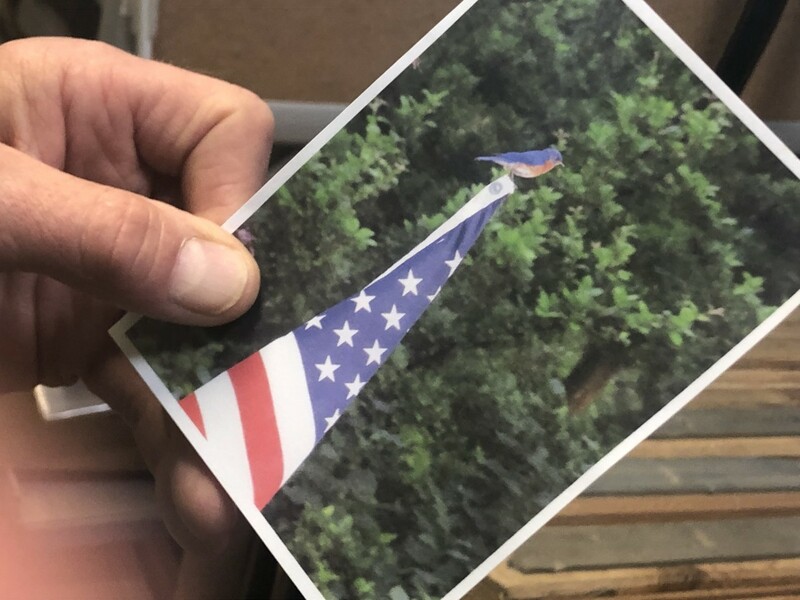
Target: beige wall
[[330, 50], [774, 90], [706, 25], [325, 50]]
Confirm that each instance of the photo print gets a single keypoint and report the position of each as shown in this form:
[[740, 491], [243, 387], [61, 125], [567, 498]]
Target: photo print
[[545, 223]]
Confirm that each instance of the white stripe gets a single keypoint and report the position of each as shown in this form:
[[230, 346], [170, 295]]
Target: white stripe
[[223, 425], [498, 189], [290, 397]]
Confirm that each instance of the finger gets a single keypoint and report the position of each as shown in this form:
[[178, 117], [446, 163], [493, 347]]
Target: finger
[[113, 378], [208, 576], [196, 510], [217, 136], [214, 135], [138, 254]]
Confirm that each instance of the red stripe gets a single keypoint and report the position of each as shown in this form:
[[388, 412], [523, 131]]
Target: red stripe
[[192, 409], [260, 428]]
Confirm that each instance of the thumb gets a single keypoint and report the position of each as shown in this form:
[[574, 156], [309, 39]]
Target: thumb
[[136, 253]]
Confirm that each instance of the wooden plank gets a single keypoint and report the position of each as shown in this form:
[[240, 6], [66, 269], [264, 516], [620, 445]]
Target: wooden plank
[[794, 317], [699, 475], [785, 331], [723, 422], [648, 580], [608, 510], [744, 399], [563, 548], [772, 363], [759, 378], [781, 592], [488, 589], [777, 349], [735, 446]]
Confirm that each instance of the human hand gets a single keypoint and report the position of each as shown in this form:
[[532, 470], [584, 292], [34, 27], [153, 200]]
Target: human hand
[[88, 135]]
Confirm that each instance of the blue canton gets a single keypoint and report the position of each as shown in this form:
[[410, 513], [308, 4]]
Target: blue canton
[[343, 347]]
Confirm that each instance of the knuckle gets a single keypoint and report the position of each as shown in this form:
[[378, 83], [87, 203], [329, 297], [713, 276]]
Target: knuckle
[[99, 46], [30, 50], [260, 113], [15, 51], [253, 109], [20, 57]]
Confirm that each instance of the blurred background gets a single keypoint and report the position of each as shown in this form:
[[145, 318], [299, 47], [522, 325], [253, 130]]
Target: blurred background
[[310, 59], [77, 512]]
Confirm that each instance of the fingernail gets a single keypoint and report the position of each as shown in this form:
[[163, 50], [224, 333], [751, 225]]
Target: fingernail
[[208, 277]]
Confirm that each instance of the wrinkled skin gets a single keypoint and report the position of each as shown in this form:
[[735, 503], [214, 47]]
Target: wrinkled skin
[[89, 136]]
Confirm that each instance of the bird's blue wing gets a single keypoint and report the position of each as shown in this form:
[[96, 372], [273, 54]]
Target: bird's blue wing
[[532, 157]]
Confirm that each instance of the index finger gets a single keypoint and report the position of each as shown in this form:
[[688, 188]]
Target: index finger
[[212, 135]]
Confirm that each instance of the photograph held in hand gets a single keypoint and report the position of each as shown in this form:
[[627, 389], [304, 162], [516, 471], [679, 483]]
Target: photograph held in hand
[[547, 224]]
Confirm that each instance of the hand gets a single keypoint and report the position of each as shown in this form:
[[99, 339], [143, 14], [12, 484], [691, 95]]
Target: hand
[[99, 152]]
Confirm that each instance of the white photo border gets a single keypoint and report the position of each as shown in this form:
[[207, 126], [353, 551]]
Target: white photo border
[[259, 523]]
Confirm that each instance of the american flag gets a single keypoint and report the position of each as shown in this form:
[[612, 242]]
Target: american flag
[[264, 415]]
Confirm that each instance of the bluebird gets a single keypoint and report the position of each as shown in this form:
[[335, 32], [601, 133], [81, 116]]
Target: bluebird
[[527, 164]]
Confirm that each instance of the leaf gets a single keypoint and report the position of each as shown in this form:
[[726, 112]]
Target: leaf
[[676, 339], [398, 593]]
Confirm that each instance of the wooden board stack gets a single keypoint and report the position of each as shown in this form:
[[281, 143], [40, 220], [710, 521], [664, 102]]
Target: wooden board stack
[[709, 507]]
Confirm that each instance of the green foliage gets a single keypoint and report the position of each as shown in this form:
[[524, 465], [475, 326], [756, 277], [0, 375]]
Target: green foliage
[[667, 236], [327, 532]]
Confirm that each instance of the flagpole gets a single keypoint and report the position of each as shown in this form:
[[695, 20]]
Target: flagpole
[[495, 191]]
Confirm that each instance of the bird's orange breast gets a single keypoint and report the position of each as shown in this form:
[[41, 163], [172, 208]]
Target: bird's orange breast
[[531, 171]]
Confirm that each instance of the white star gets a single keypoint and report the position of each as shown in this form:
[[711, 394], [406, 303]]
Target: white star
[[327, 369], [362, 301], [454, 262], [393, 318], [331, 421], [374, 354], [354, 387], [432, 297], [315, 322], [410, 283], [345, 334]]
